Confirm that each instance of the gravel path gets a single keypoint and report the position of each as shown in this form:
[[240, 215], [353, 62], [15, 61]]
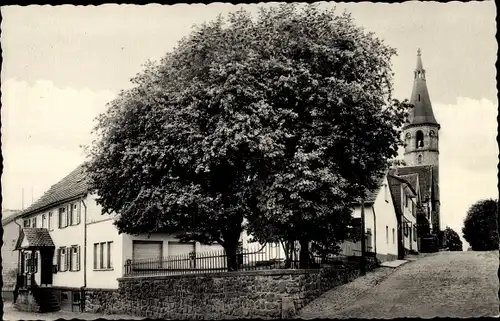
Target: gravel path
[[444, 284]]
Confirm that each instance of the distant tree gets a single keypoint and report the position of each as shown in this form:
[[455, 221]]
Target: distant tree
[[283, 120], [452, 240], [480, 226]]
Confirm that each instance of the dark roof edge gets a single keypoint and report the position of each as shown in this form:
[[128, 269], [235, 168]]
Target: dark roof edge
[[11, 218], [410, 125], [43, 208], [404, 181]]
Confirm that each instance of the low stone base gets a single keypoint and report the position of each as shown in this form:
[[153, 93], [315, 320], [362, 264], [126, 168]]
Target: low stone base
[[386, 257], [26, 302], [265, 294]]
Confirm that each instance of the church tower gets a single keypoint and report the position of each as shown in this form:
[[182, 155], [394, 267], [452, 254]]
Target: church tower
[[421, 131], [421, 139]]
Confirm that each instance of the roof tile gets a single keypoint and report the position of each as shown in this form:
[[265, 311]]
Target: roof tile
[[71, 186]]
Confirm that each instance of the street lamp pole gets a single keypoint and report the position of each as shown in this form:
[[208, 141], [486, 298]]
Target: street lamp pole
[[363, 238]]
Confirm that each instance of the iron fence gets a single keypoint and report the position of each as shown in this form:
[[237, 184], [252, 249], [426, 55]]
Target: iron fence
[[271, 256]]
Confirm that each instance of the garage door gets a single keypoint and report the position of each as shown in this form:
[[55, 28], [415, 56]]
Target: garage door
[[177, 248], [143, 250], [178, 255]]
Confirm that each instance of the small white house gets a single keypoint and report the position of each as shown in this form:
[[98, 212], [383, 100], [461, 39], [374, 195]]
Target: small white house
[[67, 244], [380, 223]]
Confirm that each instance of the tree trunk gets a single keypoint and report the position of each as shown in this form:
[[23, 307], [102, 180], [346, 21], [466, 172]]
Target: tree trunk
[[232, 259], [230, 244], [288, 253], [304, 253]]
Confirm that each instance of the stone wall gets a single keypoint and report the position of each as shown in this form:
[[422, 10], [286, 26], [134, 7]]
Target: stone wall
[[26, 302], [249, 294]]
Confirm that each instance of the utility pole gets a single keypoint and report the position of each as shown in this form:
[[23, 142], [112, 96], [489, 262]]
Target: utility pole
[[363, 239]]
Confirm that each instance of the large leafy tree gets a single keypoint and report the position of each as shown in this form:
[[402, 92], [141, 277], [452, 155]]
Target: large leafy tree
[[452, 239], [480, 226], [329, 84], [283, 120]]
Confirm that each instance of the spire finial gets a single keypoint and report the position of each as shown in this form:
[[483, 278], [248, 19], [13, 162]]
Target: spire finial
[[419, 53]]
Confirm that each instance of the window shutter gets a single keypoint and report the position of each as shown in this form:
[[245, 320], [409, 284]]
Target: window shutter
[[35, 263], [78, 258], [70, 215], [78, 214], [68, 259], [59, 267], [68, 208]]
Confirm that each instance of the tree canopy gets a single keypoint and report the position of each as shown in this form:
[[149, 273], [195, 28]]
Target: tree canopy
[[284, 119], [480, 225], [452, 239]]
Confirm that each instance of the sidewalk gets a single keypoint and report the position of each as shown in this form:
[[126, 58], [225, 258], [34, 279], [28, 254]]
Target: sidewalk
[[11, 313]]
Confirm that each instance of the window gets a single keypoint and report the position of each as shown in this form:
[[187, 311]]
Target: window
[[386, 193], [30, 262], [44, 220], [63, 217], [62, 262], [406, 200], [109, 255], [33, 222], [51, 221], [74, 258], [96, 247], [419, 97], [420, 139], [26, 223], [407, 139], [406, 229], [387, 234], [74, 215], [102, 255], [393, 237], [414, 234]]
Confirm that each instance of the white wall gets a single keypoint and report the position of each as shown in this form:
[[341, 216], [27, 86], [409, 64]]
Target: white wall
[[64, 237], [378, 216], [386, 217], [100, 228]]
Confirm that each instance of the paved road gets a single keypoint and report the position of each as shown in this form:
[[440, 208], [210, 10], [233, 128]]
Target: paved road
[[444, 284]]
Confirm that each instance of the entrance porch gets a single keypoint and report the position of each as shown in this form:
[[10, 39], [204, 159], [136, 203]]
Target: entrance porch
[[33, 291]]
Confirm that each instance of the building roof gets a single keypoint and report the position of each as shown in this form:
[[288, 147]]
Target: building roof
[[36, 238], [411, 180], [371, 196], [14, 214], [422, 112], [72, 186], [425, 177]]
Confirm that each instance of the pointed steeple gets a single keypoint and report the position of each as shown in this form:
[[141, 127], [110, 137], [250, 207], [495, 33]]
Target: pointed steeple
[[422, 112]]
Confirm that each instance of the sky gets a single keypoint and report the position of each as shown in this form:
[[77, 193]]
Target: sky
[[62, 64]]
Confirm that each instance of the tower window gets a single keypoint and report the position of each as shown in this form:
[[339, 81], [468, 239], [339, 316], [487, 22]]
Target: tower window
[[419, 159], [432, 134], [420, 139], [419, 97]]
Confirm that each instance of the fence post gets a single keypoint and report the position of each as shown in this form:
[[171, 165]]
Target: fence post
[[363, 238]]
